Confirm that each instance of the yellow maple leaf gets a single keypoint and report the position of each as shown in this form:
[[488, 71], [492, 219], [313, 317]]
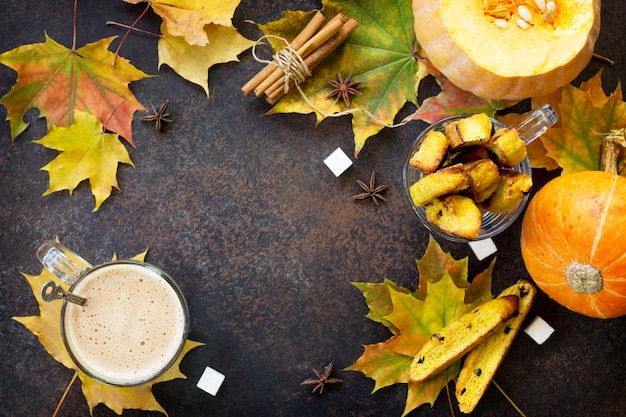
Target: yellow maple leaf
[[192, 62], [87, 152], [187, 18], [586, 115], [46, 328]]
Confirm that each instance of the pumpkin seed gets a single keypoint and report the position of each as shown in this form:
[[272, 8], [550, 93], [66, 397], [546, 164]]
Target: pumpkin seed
[[541, 5], [524, 13], [550, 11], [501, 23], [521, 23], [501, 12]]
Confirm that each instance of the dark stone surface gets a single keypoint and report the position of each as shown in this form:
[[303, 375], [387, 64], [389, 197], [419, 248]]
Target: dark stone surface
[[264, 241]]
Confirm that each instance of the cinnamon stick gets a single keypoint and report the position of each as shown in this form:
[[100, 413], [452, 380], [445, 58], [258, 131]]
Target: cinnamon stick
[[303, 37], [276, 91], [327, 32]]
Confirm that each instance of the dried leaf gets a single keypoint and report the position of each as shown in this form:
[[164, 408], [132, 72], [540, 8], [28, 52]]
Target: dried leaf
[[452, 100], [187, 18], [413, 320], [138, 397], [586, 114], [56, 81], [46, 328], [192, 62], [87, 152], [433, 262]]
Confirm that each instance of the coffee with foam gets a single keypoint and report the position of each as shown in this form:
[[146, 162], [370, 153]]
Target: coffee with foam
[[132, 327]]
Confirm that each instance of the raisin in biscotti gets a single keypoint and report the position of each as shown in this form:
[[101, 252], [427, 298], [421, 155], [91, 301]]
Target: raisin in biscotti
[[481, 363], [460, 336]]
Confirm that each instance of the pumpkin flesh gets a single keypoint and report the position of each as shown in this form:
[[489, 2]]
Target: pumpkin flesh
[[579, 218], [462, 41]]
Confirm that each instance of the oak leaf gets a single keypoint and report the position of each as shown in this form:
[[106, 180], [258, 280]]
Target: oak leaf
[[188, 18], [57, 80], [380, 51], [46, 328], [192, 62], [586, 115], [413, 320], [86, 152]]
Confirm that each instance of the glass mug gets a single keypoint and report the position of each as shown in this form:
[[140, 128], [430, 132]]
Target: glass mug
[[123, 323], [529, 128]]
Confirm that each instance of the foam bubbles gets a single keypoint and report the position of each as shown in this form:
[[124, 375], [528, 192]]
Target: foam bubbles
[[131, 327]]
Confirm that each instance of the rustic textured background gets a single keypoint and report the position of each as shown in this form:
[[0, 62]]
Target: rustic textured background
[[264, 241]]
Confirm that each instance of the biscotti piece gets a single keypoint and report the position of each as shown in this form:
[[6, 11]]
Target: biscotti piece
[[431, 152], [459, 337], [448, 180], [455, 214], [511, 190], [507, 146], [485, 177], [472, 130], [482, 362]]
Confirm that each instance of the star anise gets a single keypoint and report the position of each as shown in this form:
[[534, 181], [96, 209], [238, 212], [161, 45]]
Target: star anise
[[159, 116], [344, 87], [371, 190], [321, 379]]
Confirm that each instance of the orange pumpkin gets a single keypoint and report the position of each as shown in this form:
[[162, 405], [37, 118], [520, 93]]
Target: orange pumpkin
[[573, 242], [486, 46]]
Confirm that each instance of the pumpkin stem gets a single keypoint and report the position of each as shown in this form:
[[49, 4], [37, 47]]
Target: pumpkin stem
[[612, 144], [583, 278]]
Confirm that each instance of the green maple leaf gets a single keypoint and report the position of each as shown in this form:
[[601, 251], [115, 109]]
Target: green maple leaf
[[380, 51], [87, 152], [586, 115], [413, 320], [56, 81], [379, 301]]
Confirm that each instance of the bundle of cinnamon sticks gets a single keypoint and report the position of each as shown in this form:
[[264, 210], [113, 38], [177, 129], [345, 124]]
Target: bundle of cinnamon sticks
[[313, 44]]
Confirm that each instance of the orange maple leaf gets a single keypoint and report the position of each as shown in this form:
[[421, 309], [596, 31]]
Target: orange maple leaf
[[46, 328], [452, 100], [57, 80]]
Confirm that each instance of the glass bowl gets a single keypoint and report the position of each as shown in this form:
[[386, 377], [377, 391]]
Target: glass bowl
[[492, 223]]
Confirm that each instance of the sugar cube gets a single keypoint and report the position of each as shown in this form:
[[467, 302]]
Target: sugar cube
[[211, 381]]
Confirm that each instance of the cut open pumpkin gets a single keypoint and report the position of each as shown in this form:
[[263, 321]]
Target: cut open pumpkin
[[508, 49]]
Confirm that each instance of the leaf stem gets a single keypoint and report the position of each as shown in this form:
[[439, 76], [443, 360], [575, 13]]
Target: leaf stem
[[74, 34], [117, 51], [104, 126], [603, 58], [508, 399], [67, 390], [147, 32], [448, 394]]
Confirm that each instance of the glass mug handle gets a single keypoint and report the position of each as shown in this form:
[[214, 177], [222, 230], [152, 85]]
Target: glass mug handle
[[536, 123], [62, 262]]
